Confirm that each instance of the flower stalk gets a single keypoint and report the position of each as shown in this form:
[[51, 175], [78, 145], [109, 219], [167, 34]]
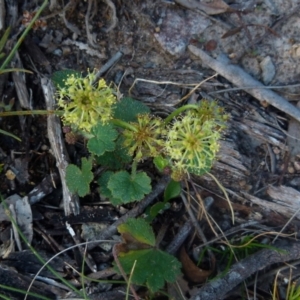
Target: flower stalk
[[178, 111]]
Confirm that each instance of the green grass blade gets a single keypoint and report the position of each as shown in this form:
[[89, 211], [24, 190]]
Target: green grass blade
[[15, 70], [22, 37], [5, 287], [10, 134], [4, 38]]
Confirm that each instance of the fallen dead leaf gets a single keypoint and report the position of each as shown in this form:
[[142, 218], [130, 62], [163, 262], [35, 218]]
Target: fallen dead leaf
[[10, 175], [192, 272]]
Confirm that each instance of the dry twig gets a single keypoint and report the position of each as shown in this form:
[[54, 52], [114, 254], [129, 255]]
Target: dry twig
[[217, 289], [114, 16], [71, 201], [240, 78], [91, 38]]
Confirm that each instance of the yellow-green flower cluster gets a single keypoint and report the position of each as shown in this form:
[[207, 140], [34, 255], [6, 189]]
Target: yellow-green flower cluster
[[193, 141], [210, 110], [84, 103], [145, 140]]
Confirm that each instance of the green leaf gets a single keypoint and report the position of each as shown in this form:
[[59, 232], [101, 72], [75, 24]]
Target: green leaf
[[105, 191], [160, 163], [153, 267], [139, 229], [129, 188], [78, 180], [127, 109], [157, 208], [103, 140], [59, 77], [4, 38], [172, 190], [117, 159]]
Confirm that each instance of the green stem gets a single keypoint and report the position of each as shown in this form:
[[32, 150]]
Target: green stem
[[179, 111], [22, 37], [123, 124], [31, 112], [15, 70], [5, 287], [133, 168]]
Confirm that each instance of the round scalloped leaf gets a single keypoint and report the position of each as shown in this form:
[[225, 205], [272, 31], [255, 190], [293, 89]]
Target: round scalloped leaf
[[115, 160], [139, 229], [127, 109], [172, 190], [104, 190], [157, 208], [152, 267], [59, 77], [129, 188], [78, 180], [103, 140]]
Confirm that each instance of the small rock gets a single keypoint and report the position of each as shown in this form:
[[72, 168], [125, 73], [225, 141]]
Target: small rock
[[295, 51], [251, 65], [297, 165], [268, 70], [276, 150], [58, 52], [44, 148], [291, 170], [58, 36]]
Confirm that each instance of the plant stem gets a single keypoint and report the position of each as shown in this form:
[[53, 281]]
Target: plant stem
[[31, 112], [123, 124], [115, 252], [133, 168], [179, 111], [22, 37]]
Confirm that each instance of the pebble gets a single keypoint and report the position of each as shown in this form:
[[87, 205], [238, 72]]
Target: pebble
[[58, 52], [291, 169], [297, 165], [268, 70]]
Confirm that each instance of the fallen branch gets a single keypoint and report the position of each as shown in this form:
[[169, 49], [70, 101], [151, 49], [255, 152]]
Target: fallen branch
[[240, 271], [240, 78], [71, 201]]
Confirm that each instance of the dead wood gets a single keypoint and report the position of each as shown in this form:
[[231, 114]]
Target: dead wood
[[71, 201], [20, 83], [240, 78], [2, 14], [240, 271], [11, 278]]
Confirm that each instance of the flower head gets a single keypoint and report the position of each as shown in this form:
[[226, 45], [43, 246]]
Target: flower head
[[192, 143], [210, 110], [83, 103], [146, 140]]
